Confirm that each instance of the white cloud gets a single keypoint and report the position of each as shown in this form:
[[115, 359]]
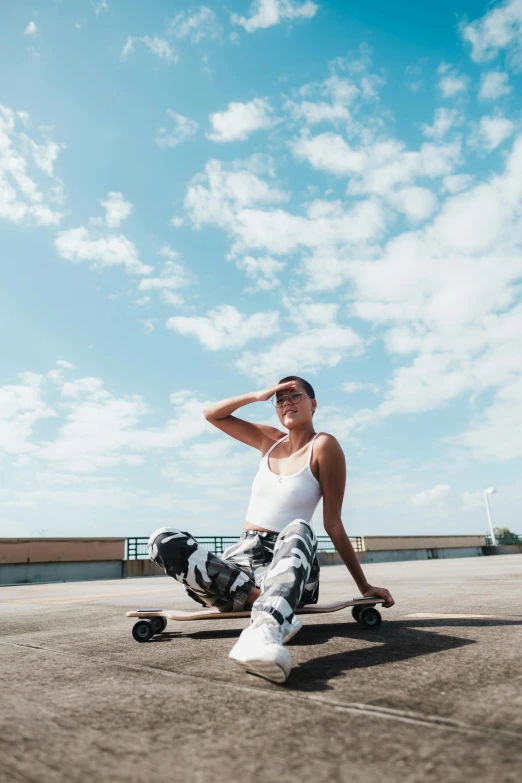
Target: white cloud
[[444, 120], [31, 29], [376, 168], [196, 470], [342, 96], [452, 85], [93, 387], [225, 327], [329, 152], [96, 429], [80, 244], [44, 155], [21, 195], [65, 365], [148, 323], [354, 386], [240, 120], [493, 85], [459, 344], [99, 6], [160, 47], [454, 183], [183, 129], [443, 496], [495, 434], [315, 112], [451, 82], [264, 270], [417, 204], [316, 340], [305, 351], [389, 165], [494, 130], [233, 199], [102, 430], [384, 169], [500, 28], [197, 25], [267, 13], [116, 209], [155, 44], [21, 407], [128, 47], [172, 278], [221, 191], [413, 73], [471, 500], [341, 93], [102, 248], [431, 497]]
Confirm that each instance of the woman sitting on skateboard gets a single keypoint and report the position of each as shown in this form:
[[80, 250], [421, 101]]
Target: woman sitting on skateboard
[[274, 567]]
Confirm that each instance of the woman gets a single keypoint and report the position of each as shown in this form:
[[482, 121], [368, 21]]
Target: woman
[[274, 567]]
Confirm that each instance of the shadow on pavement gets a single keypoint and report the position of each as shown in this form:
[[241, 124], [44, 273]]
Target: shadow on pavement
[[395, 641]]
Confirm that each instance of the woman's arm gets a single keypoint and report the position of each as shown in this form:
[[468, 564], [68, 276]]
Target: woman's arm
[[252, 434], [332, 474]]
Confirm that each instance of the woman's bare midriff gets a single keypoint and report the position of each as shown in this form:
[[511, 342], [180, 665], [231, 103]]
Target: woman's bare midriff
[[248, 526]]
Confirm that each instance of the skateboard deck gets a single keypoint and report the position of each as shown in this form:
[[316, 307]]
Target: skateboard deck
[[154, 621], [214, 614]]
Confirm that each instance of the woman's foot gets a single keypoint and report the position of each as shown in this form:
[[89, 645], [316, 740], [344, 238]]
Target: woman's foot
[[260, 650]]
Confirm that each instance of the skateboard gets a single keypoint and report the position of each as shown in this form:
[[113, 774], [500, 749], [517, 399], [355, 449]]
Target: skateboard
[[154, 621]]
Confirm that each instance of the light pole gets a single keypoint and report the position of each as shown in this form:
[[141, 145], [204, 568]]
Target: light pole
[[490, 491]]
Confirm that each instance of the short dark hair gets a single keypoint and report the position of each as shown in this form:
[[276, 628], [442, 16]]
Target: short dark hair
[[307, 386]]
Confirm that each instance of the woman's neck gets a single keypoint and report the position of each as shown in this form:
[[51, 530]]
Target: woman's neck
[[297, 439]]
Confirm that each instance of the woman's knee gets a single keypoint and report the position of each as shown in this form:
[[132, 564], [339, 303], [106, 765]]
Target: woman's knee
[[166, 544]]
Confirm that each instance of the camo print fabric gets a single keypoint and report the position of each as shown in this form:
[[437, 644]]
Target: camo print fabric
[[284, 566]]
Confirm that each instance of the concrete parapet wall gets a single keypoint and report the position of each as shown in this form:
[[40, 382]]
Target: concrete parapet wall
[[31, 573], [506, 549], [133, 568], [396, 555], [60, 550], [382, 543], [390, 555]]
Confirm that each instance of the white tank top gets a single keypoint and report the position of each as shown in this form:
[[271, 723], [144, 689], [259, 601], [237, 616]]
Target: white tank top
[[278, 500]]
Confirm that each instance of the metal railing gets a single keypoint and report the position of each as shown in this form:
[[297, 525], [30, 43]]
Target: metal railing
[[505, 540], [136, 548]]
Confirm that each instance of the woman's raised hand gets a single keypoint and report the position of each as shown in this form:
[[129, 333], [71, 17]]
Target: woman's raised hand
[[265, 394]]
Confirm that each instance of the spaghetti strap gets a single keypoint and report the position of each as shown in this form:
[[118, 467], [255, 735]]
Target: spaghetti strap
[[273, 447], [311, 447]]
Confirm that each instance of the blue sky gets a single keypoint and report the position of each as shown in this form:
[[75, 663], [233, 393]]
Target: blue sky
[[198, 199]]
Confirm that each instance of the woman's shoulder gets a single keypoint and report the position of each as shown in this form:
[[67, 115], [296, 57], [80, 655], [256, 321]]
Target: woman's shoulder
[[325, 442], [325, 437], [271, 436]]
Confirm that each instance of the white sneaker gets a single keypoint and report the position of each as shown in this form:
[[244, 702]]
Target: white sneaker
[[260, 649], [296, 626]]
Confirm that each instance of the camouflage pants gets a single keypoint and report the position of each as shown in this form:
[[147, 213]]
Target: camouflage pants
[[283, 565]]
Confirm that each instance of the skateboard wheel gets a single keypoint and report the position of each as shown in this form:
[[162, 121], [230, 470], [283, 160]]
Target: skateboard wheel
[[143, 630], [356, 611], [159, 624], [369, 616]]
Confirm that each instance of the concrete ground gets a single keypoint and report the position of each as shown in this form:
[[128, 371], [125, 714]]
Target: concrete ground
[[433, 694]]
